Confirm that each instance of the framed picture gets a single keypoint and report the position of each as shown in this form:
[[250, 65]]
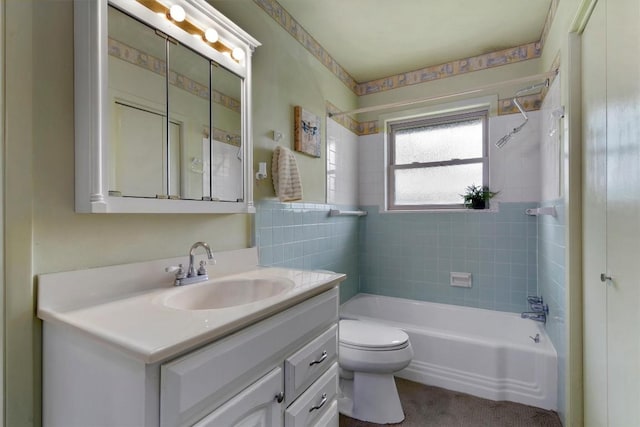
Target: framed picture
[[306, 132]]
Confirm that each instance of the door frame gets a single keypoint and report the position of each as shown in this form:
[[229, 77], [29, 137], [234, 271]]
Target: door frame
[[573, 188], [2, 203]]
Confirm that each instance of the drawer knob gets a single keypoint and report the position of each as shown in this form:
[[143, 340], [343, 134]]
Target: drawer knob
[[321, 404], [279, 397], [322, 358]]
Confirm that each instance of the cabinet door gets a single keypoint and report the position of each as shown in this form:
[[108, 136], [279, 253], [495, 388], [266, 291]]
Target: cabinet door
[[256, 406]]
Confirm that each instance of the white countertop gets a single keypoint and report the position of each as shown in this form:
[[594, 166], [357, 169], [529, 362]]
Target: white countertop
[[122, 306]]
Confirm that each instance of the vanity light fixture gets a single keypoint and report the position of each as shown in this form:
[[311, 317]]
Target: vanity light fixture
[[211, 35], [178, 16], [237, 54], [177, 13]]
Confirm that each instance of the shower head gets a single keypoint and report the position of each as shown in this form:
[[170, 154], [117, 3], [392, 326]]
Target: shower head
[[502, 141]]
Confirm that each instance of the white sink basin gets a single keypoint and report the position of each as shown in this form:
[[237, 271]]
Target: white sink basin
[[226, 293]]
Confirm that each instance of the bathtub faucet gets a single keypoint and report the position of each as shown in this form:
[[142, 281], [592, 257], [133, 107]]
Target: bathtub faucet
[[539, 310], [538, 316], [536, 304]]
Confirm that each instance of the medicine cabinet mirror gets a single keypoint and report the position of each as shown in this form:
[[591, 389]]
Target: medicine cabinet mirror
[[163, 119]]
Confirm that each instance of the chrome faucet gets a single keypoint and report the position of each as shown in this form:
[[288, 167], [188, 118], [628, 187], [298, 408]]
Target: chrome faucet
[[192, 276], [539, 312], [538, 316]]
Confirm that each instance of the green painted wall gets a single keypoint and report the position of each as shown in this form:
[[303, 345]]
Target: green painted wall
[[44, 234], [285, 74]]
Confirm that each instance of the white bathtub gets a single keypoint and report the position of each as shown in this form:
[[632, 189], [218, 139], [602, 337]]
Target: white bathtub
[[480, 352]]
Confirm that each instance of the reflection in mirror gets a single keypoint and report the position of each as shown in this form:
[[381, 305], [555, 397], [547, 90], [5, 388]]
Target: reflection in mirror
[[189, 108], [138, 99], [226, 176], [184, 160]]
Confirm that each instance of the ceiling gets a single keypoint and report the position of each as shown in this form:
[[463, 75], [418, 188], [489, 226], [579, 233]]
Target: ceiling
[[372, 39]]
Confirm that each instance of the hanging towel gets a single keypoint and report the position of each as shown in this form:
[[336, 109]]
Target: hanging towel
[[285, 175]]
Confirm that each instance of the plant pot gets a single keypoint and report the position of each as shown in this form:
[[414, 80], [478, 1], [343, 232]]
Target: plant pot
[[478, 204]]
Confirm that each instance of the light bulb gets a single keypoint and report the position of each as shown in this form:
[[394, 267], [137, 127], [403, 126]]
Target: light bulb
[[237, 54], [177, 13], [211, 35]]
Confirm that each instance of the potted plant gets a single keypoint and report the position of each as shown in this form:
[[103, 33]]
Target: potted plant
[[477, 196]]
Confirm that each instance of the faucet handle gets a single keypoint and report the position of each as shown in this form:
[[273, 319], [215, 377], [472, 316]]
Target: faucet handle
[[533, 299], [541, 308], [179, 270], [202, 270]]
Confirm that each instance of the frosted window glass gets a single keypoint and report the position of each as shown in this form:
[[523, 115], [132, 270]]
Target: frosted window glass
[[439, 142], [440, 185]]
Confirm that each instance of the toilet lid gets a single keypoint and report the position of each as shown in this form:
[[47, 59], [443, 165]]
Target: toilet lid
[[364, 334]]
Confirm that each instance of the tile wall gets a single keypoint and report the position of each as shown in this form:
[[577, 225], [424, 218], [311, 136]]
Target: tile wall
[[411, 255], [551, 273], [342, 164], [303, 235], [551, 234]]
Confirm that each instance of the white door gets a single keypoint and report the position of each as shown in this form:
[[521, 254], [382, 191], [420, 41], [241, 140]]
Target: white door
[[594, 219], [259, 405], [139, 158], [623, 211], [145, 163], [611, 214]]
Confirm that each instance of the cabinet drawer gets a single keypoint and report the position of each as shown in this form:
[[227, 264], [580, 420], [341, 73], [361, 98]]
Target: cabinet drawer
[[331, 417], [306, 365], [199, 382], [315, 402]]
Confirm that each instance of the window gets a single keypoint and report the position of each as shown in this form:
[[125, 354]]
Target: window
[[433, 160]]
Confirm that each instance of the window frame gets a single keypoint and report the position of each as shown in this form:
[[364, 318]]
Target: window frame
[[432, 120]]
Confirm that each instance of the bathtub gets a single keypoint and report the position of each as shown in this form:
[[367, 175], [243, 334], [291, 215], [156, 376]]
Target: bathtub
[[480, 352]]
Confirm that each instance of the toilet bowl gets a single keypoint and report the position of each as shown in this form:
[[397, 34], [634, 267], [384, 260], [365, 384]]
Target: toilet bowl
[[368, 356]]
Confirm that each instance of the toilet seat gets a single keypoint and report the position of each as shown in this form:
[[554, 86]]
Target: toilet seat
[[364, 348], [371, 337]]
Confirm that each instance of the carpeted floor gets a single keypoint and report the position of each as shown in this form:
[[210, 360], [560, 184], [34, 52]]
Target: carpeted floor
[[426, 406]]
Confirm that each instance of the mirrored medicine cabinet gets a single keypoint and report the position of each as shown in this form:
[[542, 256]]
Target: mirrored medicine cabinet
[[163, 114]]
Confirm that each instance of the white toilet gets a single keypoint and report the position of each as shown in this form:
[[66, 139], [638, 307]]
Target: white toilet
[[368, 356]]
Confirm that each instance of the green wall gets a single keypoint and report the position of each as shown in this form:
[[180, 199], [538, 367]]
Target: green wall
[[285, 74], [44, 234]]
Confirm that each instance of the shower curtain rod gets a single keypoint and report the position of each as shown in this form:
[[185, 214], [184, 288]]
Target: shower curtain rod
[[450, 95]]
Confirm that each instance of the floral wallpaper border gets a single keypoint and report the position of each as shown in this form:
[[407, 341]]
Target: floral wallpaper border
[[453, 68], [286, 21], [505, 106], [134, 56], [547, 24]]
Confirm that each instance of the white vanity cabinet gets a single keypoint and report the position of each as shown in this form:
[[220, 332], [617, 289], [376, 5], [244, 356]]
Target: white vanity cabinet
[[280, 371], [294, 349]]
